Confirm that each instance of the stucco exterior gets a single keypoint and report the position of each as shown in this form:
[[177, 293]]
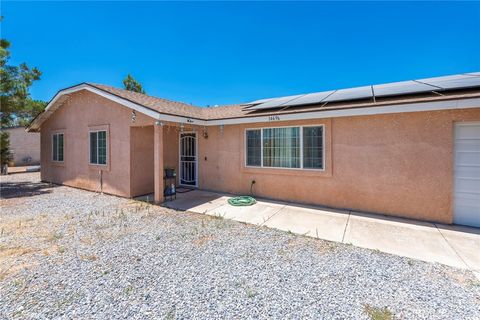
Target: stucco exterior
[[141, 161], [397, 164], [82, 112], [25, 147]]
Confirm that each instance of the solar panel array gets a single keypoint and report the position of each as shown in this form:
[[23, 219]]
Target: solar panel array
[[439, 84]]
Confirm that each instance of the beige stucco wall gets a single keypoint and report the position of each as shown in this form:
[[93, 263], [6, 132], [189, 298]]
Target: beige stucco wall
[[82, 111], [24, 145], [141, 160], [396, 164], [170, 147]]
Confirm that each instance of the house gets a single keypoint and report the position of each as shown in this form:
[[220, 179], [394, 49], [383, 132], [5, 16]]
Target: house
[[408, 149], [25, 147]]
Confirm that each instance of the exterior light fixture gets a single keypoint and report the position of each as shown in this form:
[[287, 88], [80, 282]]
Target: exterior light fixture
[[205, 132], [134, 116]]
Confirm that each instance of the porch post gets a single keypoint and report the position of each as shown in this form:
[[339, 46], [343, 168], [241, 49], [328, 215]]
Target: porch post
[[158, 159]]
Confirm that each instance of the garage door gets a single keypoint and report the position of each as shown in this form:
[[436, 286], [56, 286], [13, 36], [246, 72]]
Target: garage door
[[467, 174]]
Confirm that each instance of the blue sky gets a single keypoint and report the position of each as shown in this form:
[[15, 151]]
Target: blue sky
[[221, 53]]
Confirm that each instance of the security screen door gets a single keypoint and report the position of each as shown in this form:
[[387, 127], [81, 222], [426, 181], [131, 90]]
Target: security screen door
[[188, 159]]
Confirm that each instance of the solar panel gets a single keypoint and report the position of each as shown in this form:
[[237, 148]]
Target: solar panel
[[468, 80], [452, 77], [403, 87], [275, 103], [350, 94], [310, 98], [257, 102], [453, 82]]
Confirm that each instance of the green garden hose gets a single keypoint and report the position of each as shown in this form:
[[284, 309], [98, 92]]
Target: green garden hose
[[242, 201]]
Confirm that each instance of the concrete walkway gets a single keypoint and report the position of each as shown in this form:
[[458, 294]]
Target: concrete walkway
[[23, 169], [455, 246]]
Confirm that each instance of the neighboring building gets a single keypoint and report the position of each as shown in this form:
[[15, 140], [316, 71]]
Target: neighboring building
[[409, 149], [25, 147]]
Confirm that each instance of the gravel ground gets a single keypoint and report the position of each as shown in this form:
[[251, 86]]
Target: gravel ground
[[68, 253]]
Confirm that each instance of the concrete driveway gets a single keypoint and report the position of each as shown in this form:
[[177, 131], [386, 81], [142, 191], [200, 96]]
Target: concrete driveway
[[447, 244]]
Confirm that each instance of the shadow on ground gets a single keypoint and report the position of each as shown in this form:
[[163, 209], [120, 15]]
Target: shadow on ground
[[20, 189]]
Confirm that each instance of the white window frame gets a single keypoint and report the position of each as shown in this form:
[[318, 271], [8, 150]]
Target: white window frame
[[107, 148], [56, 146], [301, 147]]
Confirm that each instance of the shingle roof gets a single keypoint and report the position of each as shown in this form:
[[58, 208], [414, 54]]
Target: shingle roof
[[173, 107], [158, 104]]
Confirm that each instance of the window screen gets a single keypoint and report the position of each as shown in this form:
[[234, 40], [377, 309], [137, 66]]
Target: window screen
[[57, 147], [313, 147], [98, 147], [254, 148]]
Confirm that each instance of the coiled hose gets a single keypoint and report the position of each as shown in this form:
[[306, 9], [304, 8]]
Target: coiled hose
[[242, 201]]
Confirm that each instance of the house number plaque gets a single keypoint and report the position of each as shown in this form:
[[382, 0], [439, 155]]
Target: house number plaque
[[273, 118]]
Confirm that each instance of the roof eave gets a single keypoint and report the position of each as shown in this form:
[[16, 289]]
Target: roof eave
[[52, 106]]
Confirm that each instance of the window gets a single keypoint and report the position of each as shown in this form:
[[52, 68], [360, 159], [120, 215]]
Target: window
[[57, 147], [287, 147], [281, 147], [98, 147], [254, 147], [313, 147]]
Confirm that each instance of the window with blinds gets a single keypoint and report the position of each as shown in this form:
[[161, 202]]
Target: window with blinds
[[285, 147], [281, 147]]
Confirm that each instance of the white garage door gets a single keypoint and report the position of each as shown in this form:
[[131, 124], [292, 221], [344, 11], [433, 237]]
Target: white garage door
[[467, 174]]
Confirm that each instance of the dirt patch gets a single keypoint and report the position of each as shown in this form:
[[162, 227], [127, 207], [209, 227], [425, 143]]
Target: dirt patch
[[202, 240], [15, 259]]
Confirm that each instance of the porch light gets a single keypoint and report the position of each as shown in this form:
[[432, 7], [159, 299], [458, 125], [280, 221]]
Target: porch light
[[134, 116], [182, 127], [221, 129], [205, 132]]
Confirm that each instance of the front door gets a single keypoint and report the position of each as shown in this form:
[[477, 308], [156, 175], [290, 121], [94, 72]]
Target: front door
[[188, 159]]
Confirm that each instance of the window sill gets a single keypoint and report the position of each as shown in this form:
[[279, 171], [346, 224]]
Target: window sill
[[288, 171], [103, 167], [58, 163]]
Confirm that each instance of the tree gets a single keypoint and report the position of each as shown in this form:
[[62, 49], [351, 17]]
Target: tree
[[17, 107], [5, 154], [132, 85]]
